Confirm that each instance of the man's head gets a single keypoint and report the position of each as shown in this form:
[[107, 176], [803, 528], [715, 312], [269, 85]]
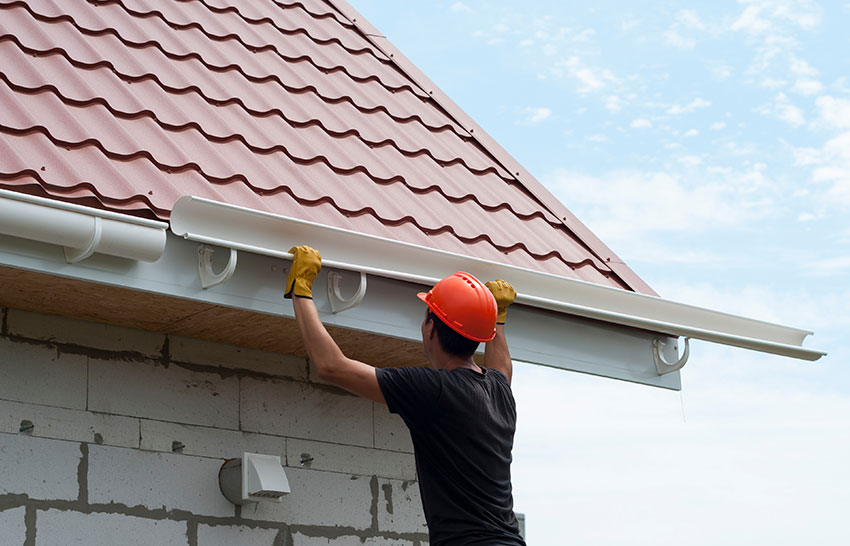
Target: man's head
[[464, 310], [451, 342]]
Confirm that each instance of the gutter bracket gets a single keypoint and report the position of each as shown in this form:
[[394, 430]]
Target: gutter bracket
[[208, 278], [661, 364], [74, 255], [338, 304]]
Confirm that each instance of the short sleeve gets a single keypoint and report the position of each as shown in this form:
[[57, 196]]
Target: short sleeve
[[410, 392]]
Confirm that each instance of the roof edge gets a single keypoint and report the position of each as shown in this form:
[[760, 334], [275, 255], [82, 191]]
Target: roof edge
[[499, 154]]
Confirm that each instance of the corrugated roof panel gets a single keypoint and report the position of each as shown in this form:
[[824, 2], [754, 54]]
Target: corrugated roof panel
[[278, 106]]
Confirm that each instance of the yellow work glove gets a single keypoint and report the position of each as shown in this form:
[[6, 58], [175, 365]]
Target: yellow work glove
[[504, 294], [306, 264]]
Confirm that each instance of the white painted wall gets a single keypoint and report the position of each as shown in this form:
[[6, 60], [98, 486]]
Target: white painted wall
[[108, 403]]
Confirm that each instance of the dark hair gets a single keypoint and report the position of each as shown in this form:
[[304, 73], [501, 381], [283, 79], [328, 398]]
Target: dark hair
[[451, 341]]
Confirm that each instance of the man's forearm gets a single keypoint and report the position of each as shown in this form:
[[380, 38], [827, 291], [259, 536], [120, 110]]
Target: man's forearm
[[496, 353], [321, 348]]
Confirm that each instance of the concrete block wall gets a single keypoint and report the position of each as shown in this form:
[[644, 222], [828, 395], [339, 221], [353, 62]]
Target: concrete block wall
[[110, 435]]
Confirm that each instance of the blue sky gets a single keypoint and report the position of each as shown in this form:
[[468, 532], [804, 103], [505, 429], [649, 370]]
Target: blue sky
[[708, 144]]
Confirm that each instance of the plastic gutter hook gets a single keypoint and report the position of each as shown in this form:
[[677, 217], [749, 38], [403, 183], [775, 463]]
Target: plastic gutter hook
[[661, 364], [208, 278], [339, 304]]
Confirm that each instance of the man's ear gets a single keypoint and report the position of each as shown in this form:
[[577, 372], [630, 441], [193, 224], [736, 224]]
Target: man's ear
[[430, 330]]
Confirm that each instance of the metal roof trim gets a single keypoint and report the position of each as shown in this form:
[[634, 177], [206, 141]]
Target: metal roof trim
[[231, 226]]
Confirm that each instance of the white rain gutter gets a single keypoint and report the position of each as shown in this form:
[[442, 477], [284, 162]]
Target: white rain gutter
[[82, 231], [240, 228]]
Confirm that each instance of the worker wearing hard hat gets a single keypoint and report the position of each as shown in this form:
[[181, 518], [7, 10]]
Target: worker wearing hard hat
[[461, 417]]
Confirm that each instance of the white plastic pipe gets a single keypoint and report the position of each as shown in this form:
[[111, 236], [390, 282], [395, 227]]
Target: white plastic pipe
[[80, 230]]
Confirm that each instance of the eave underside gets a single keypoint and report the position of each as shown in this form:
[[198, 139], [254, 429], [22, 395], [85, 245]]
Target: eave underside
[[249, 311]]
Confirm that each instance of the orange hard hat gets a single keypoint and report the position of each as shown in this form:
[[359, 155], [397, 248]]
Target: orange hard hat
[[465, 305]]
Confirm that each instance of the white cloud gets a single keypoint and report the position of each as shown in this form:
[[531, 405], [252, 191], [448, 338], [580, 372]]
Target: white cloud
[[783, 109], [801, 67], [460, 7], [830, 168], [773, 83], [624, 206], [674, 39], [830, 267], [807, 87], [598, 138], [590, 78], [629, 24], [691, 133], [752, 21], [613, 104], [585, 35], [536, 115], [720, 70], [690, 19], [718, 125], [834, 112], [772, 27], [682, 31], [678, 109], [761, 16], [641, 123]]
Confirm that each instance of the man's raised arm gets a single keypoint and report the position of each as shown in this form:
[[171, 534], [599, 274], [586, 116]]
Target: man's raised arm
[[331, 364], [496, 353]]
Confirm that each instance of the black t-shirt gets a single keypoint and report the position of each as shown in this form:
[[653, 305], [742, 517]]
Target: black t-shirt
[[462, 424]]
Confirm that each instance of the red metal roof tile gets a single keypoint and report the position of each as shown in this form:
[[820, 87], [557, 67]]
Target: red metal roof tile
[[279, 106]]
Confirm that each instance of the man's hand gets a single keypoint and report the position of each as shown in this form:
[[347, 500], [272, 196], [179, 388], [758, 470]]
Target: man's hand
[[306, 264], [504, 294]]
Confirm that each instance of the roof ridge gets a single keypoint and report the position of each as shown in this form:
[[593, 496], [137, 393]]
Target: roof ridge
[[499, 154]]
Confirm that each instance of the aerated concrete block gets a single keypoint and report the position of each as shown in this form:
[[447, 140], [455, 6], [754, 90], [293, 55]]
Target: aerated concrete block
[[67, 424], [319, 498], [61, 528], [351, 459], [13, 528], [43, 469], [299, 539], [196, 351], [40, 375], [233, 535], [302, 410], [400, 507], [209, 442], [156, 481], [390, 431], [172, 393], [105, 337]]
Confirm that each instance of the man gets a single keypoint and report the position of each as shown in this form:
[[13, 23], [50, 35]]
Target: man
[[461, 417]]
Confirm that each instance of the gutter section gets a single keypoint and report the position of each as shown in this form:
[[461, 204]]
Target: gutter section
[[82, 231], [240, 228]]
